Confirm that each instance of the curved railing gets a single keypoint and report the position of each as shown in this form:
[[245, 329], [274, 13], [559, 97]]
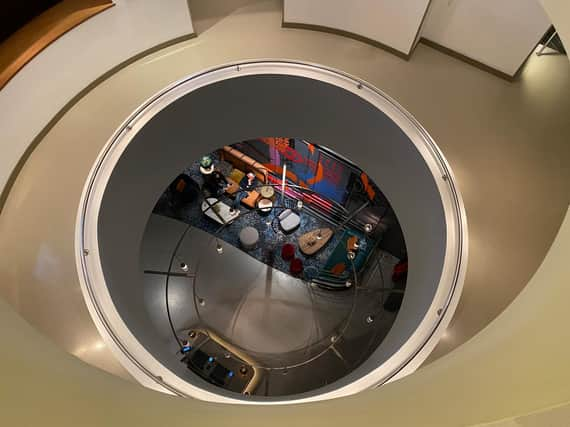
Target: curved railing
[[316, 347], [91, 274], [263, 363]]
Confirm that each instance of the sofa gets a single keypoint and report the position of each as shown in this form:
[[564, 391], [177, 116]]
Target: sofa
[[244, 163]]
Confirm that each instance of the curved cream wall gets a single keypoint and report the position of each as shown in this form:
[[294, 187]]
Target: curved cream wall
[[515, 366], [393, 23], [500, 34], [67, 66], [38, 277]]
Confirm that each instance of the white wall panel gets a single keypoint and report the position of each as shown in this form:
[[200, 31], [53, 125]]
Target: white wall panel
[[393, 23], [52, 78], [500, 34]]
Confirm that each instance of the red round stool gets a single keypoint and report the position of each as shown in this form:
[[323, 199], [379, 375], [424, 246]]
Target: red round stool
[[296, 266], [287, 252]]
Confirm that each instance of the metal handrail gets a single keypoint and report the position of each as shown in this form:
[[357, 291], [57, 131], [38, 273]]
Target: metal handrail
[[446, 175]]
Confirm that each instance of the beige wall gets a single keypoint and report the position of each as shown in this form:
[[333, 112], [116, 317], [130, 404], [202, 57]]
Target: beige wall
[[100, 43], [558, 416], [500, 34], [393, 23]]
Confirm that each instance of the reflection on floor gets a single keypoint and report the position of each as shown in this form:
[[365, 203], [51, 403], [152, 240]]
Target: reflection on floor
[[299, 336]]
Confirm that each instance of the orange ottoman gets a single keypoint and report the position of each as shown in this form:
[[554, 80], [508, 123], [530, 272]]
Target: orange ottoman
[[251, 199]]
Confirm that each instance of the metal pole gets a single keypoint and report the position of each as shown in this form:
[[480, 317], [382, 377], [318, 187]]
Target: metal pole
[[283, 183]]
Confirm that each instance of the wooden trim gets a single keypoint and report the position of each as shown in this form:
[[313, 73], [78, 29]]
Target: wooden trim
[[22, 46], [41, 135], [348, 34], [466, 59]]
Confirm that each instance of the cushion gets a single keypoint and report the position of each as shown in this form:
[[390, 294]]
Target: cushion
[[289, 220], [236, 175], [296, 266], [251, 199], [244, 162], [184, 188], [339, 268], [287, 251], [232, 188]]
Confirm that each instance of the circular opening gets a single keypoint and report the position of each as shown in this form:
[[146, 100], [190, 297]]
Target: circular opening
[[238, 103], [288, 254]]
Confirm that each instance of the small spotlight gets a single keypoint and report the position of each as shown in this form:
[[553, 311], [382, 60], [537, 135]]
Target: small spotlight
[[368, 228], [201, 302], [219, 248], [369, 319], [351, 255], [299, 204], [348, 283], [184, 266]]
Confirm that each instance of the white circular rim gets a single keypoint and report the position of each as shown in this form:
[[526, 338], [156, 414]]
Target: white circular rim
[[144, 366]]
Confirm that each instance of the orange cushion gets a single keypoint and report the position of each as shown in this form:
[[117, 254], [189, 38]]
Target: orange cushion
[[180, 185], [232, 187], [251, 199], [236, 175], [339, 268]]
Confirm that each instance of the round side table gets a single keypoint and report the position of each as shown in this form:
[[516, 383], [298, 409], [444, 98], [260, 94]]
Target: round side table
[[265, 206], [248, 237], [267, 192]]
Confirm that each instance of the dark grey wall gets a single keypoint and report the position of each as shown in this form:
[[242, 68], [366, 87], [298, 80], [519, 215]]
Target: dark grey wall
[[248, 107]]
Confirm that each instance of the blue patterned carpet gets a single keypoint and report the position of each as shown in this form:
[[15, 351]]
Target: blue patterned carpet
[[271, 237]]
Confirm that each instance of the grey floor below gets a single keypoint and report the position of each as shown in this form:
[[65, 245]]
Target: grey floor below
[[286, 325]]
